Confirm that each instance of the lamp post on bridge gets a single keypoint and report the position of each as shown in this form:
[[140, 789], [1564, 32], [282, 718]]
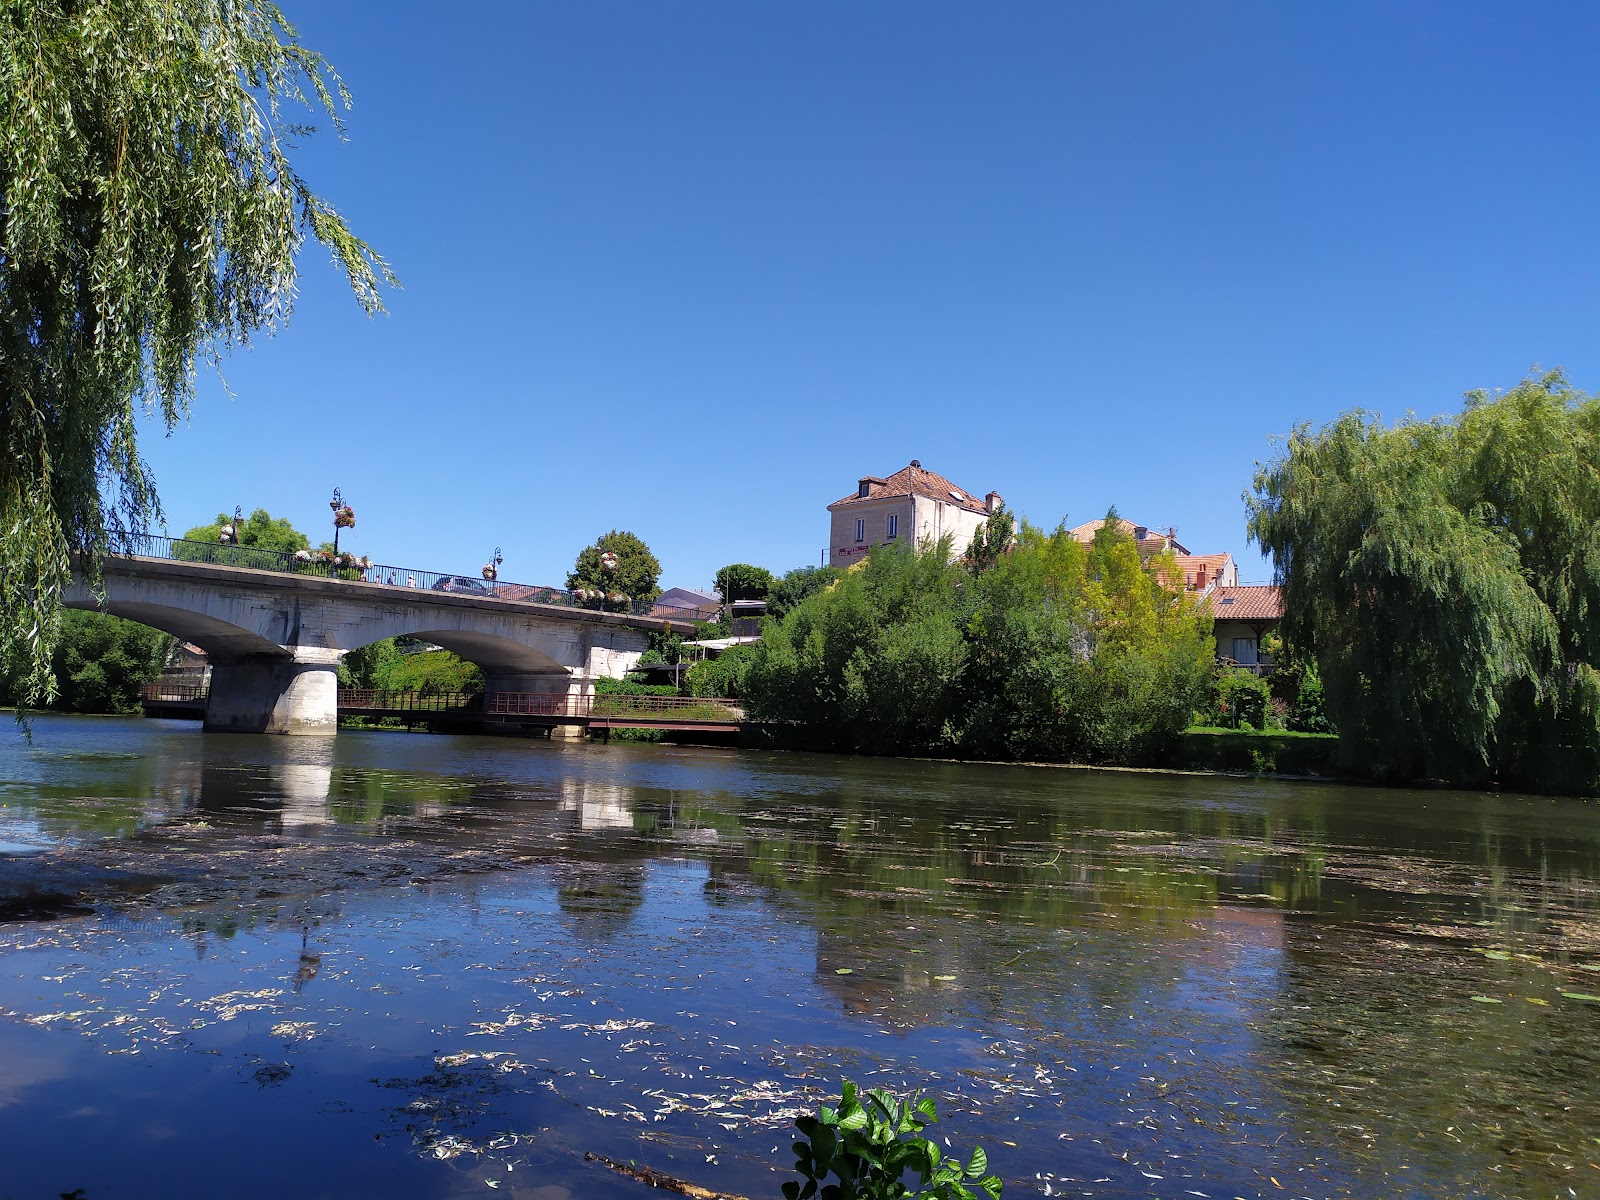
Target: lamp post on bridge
[[228, 535], [344, 517], [491, 570]]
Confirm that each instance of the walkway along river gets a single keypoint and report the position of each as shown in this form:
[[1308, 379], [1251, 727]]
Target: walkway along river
[[376, 965]]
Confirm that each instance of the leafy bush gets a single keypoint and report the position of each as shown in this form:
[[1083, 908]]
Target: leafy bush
[[723, 675], [871, 1148], [1239, 699], [1247, 750]]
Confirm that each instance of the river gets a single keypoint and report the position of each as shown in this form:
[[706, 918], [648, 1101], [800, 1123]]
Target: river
[[424, 966]]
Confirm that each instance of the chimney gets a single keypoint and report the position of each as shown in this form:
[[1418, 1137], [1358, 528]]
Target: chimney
[[992, 502]]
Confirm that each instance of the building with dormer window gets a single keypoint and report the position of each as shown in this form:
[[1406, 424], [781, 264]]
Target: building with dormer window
[[912, 503]]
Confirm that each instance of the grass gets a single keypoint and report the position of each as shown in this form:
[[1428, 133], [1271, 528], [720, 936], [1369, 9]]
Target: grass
[[1260, 751]]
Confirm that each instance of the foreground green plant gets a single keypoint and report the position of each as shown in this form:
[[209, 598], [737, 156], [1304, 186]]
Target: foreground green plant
[[871, 1143]]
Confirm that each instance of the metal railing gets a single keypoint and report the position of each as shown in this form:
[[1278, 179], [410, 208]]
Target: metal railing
[[149, 545], [602, 708], [612, 707], [175, 692], [1259, 669], [408, 701]]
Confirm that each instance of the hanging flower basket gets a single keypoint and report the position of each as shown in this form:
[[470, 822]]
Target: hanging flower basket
[[344, 517]]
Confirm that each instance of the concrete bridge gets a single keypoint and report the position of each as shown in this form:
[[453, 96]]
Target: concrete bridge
[[275, 639]]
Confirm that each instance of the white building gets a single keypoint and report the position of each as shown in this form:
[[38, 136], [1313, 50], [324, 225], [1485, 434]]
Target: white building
[[911, 503]]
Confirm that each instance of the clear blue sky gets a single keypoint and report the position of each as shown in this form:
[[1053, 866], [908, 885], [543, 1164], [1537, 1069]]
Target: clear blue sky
[[691, 269]]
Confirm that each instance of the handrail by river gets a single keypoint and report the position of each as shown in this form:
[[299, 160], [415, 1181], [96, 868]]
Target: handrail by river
[[602, 709]]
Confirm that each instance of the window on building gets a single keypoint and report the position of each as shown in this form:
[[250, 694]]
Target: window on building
[[861, 529], [1244, 651], [892, 525]]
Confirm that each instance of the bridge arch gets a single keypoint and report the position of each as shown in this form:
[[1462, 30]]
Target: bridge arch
[[222, 641], [498, 657]]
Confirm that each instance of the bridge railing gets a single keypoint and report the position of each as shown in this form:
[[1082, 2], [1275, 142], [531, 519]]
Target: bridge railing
[[519, 704], [408, 701], [664, 708], [149, 545], [174, 691]]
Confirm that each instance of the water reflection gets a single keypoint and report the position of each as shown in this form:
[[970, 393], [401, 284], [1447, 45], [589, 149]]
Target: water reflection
[[1130, 976]]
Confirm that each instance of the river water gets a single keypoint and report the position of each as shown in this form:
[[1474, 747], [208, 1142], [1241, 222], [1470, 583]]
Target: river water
[[394, 965]]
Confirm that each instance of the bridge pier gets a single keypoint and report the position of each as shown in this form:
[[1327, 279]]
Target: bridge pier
[[296, 694]]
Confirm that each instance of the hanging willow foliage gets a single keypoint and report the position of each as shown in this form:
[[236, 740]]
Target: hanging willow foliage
[[1446, 577], [149, 219]]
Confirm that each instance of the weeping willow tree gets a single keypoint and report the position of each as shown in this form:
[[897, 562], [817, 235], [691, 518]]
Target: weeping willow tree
[[149, 221], [1445, 576]]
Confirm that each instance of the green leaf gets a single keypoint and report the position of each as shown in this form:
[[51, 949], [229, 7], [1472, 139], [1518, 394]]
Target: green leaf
[[978, 1164]]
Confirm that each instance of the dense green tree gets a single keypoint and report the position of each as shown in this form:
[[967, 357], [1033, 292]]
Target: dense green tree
[[149, 217], [872, 663], [1051, 650], [994, 537], [263, 540], [630, 570], [260, 531], [1444, 576], [406, 664], [102, 661], [1082, 651], [787, 592], [741, 581]]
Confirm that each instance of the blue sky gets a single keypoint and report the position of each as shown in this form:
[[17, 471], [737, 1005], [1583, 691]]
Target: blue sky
[[691, 269]]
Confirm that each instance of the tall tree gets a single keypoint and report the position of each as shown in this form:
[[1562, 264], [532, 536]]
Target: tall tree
[[259, 531], [149, 218], [617, 564], [1445, 577], [787, 593], [741, 581], [102, 661]]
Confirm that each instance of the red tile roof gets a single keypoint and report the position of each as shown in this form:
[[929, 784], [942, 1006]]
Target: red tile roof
[[914, 481], [1248, 602]]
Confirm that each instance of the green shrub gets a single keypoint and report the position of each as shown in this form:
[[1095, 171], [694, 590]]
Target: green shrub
[[870, 1148], [1258, 753], [1240, 699], [723, 675]]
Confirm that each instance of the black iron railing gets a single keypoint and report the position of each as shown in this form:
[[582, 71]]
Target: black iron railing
[[357, 570]]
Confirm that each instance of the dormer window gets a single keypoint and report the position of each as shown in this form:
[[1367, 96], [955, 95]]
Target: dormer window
[[865, 487]]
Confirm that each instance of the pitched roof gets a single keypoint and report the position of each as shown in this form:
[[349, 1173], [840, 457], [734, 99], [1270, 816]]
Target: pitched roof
[[1248, 602], [1150, 541], [914, 481]]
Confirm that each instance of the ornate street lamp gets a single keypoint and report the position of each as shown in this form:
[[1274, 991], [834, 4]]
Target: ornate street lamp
[[344, 517], [491, 569], [228, 535]]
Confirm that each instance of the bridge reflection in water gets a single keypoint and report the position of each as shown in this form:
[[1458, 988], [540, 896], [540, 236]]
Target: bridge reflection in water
[[533, 710]]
